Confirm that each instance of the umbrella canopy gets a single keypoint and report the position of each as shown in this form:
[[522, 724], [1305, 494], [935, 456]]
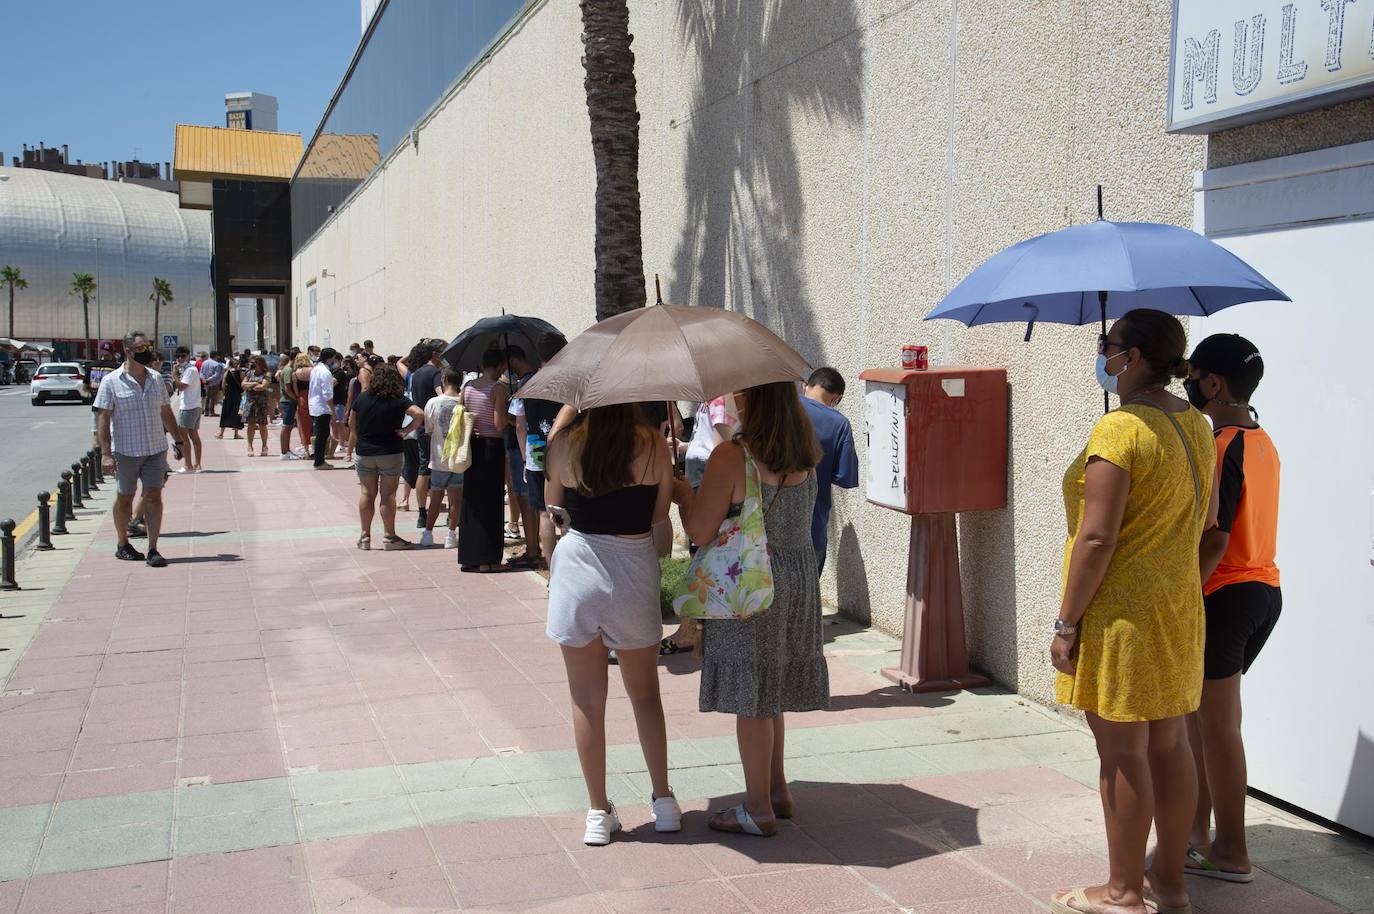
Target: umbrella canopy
[[665, 352], [531, 334], [1087, 273]]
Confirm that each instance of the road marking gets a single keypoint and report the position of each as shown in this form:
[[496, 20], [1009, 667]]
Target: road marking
[[37, 425], [25, 526]]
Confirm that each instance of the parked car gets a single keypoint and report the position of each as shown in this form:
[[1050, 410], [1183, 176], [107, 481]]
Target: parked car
[[59, 381]]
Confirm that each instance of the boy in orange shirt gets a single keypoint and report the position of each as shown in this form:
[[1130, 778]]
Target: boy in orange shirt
[[1241, 594]]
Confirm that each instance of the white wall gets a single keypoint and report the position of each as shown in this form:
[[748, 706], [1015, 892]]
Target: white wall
[[830, 167]]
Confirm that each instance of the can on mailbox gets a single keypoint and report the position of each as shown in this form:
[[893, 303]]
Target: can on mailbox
[[915, 358]]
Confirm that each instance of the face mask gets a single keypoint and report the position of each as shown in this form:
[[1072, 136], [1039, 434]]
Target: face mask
[[1105, 379], [144, 358], [1193, 387]]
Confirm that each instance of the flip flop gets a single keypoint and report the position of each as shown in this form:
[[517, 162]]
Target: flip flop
[[1199, 865], [667, 647], [744, 823]]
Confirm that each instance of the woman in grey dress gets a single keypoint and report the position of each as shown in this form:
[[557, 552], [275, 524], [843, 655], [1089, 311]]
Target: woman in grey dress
[[759, 668]]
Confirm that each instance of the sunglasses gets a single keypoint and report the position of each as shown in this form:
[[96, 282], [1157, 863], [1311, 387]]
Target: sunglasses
[[146, 347], [1103, 343]]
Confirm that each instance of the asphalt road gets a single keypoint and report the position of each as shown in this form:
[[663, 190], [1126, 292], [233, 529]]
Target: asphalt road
[[36, 442]]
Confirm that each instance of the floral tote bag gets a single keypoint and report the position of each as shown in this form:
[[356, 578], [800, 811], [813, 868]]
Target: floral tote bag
[[731, 577]]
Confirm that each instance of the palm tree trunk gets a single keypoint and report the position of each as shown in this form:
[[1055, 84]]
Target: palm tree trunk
[[86, 314], [610, 67], [11, 310], [157, 316]]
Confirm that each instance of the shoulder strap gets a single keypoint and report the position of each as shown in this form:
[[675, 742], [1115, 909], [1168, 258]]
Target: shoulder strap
[[1192, 463]]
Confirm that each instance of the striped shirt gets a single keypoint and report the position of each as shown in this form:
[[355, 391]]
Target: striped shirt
[[136, 412], [478, 401]]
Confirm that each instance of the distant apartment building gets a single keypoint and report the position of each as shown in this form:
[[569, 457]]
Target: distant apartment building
[[57, 159]]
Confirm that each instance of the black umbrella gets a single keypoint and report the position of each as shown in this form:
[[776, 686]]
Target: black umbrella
[[529, 333]]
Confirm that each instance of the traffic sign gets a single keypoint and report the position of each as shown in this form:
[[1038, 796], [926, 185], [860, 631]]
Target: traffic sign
[[169, 341]]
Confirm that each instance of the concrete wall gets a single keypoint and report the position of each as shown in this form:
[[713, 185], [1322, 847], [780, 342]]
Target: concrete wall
[[830, 167]]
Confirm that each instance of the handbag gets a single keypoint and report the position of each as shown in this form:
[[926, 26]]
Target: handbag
[[731, 577], [457, 447]]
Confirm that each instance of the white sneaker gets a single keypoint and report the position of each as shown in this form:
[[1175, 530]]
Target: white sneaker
[[427, 538], [666, 813], [600, 826], [451, 539]]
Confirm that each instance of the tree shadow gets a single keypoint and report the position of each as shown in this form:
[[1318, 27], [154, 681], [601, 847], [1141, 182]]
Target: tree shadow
[[191, 534], [761, 66]]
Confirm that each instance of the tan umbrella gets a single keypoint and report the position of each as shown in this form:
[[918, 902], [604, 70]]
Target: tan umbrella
[[665, 352]]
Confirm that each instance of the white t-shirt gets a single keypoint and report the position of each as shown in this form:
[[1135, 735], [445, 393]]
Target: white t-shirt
[[438, 418], [190, 376]]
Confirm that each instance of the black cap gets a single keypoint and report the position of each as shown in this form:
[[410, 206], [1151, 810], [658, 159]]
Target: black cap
[[1234, 358]]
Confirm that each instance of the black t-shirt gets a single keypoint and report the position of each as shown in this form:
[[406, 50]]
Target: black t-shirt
[[539, 418], [422, 384], [378, 423]]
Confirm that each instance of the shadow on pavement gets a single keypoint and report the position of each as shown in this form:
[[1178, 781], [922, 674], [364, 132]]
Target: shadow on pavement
[[200, 559], [188, 534]]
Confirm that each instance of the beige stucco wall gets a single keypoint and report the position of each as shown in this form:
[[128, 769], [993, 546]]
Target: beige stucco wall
[[830, 167]]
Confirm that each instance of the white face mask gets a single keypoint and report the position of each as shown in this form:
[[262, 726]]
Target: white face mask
[[1105, 379]]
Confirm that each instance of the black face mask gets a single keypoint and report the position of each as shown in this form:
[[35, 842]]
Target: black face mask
[[1193, 387], [144, 358]]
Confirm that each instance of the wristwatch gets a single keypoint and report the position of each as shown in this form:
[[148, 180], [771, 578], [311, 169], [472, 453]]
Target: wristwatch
[[1064, 629]]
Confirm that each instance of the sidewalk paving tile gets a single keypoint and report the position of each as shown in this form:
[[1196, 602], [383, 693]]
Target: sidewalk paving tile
[[365, 732]]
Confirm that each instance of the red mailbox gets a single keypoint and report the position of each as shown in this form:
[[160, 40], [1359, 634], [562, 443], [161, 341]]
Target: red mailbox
[[937, 444], [937, 440]]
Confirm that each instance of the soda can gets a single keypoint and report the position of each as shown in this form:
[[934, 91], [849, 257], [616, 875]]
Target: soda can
[[922, 358], [908, 357]]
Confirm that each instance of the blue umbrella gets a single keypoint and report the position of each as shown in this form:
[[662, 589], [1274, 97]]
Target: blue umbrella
[[1087, 273]]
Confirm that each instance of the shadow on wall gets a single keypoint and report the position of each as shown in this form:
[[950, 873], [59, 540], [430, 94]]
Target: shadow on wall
[[759, 66], [852, 578], [1357, 806], [989, 586]]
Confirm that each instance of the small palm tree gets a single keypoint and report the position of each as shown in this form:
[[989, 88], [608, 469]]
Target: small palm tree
[[162, 293], [83, 284], [14, 278]]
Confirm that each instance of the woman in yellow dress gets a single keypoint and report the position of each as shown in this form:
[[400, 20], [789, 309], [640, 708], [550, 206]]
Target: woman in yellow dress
[[1129, 637]]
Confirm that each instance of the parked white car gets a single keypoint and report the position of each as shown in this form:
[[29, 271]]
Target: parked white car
[[59, 381]]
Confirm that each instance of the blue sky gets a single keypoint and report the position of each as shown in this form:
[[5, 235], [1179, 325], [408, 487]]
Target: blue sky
[[111, 78]]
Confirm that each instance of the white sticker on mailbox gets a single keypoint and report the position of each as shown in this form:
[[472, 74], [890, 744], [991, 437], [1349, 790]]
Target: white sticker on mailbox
[[886, 444], [953, 387]]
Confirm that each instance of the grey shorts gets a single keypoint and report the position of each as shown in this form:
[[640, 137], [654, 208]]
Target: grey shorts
[[607, 586], [443, 479], [373, 466], [129, 471], [189, 419]]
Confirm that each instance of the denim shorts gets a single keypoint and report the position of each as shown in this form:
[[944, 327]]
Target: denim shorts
[[372, 466], [516, 459], [189, 419], [288, 413], [443, 479], [340, 412]]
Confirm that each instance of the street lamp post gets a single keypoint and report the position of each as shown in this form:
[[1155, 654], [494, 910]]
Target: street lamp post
[[99, 327]]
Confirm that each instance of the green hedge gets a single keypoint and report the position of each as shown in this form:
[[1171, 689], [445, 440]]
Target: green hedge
[[672, 570]]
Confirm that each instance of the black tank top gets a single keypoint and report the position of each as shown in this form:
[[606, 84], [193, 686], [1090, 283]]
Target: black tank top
[[623, 512]]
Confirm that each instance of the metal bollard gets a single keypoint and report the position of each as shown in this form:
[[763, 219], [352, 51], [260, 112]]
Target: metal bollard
[[73, 477], [82, 477], [99, 465], [92, 462], [7, 555], [69, 495], [44, 522], [59, 525]]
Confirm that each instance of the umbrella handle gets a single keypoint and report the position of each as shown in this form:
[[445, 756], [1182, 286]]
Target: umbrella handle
[[1035, 316]]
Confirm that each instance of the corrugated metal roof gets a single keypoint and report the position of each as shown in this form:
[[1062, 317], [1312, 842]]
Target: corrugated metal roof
[[223, 151]]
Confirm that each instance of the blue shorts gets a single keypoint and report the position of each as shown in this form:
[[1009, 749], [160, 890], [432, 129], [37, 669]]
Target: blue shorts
[[516, 459], [442, 479], [288, 413]]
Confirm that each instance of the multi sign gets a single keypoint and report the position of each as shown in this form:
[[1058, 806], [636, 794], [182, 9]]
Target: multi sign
[[1235, 62]]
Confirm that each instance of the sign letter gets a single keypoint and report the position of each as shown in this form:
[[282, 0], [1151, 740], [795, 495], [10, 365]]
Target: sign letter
[[1335, 31], [1289, 72], [1245, 77], [1200, 63]]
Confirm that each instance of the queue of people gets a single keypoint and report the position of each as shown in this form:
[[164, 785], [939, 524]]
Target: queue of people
[[1170, 584]]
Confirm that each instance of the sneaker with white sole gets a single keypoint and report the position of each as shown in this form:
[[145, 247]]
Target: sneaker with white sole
[[427, 538], [666, 812], [601, 824], [451, 539]]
